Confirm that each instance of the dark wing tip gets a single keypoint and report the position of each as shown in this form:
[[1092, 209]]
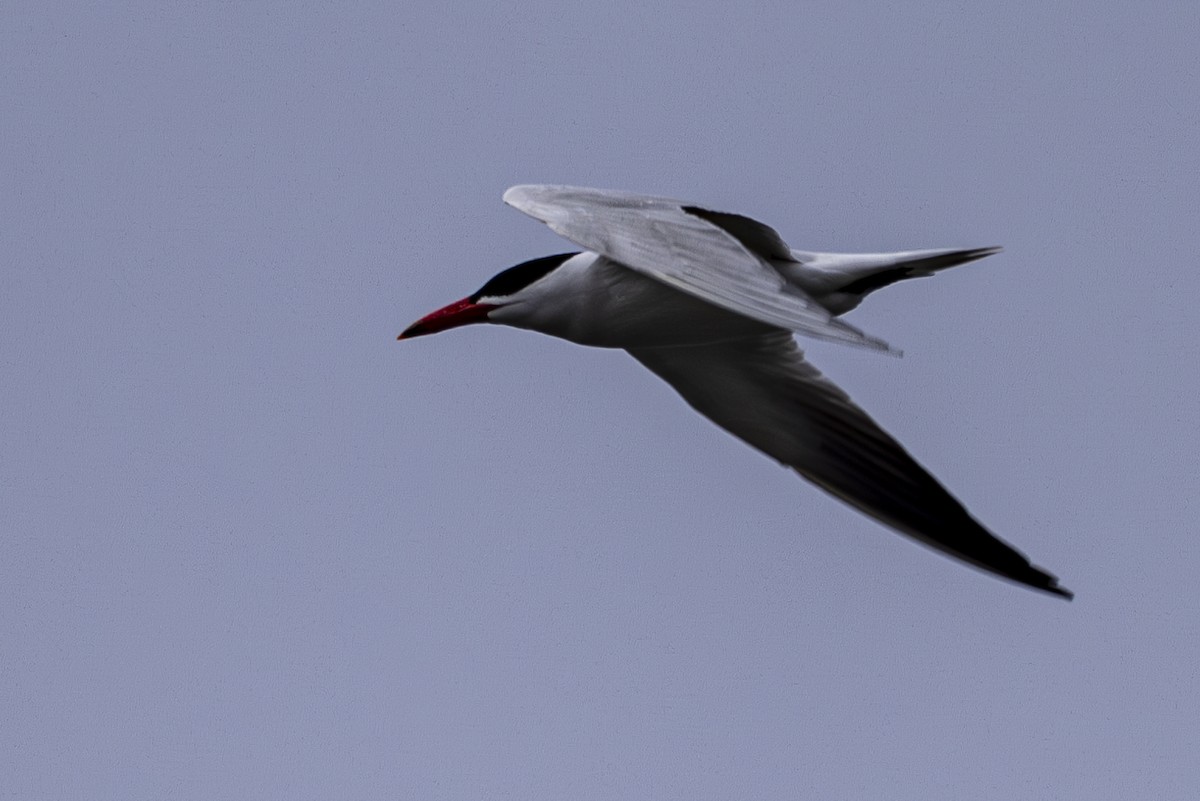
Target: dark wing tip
[[1059, 591], [1041, 580], [1064, 592]]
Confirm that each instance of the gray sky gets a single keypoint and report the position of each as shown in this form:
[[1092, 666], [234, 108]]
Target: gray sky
[[253, 547]]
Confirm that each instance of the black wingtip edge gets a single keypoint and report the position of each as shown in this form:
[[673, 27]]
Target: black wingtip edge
[[1062, 592], [1049, 584], [1043, 581]]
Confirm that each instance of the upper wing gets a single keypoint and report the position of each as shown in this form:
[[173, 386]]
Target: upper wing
[[763, 391], [720, 258]]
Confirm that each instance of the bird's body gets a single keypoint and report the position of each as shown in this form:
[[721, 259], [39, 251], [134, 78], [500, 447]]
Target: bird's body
[[708, 301], [593, 300]]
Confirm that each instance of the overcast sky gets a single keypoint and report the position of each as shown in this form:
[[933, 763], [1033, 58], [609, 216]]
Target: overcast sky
[[253, 547]]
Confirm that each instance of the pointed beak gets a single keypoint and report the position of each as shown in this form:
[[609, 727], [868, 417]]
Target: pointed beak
[[460, 312]]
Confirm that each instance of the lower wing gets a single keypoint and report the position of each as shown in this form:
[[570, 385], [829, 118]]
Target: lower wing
[[764, 392]]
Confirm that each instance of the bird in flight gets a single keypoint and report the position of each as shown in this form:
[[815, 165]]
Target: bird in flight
[[709, 302]]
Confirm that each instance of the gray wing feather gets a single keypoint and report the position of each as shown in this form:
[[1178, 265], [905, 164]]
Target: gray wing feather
[[717, 257], [764, 392]]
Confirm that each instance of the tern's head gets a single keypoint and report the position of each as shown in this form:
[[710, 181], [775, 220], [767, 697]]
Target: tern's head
[[508, 288]]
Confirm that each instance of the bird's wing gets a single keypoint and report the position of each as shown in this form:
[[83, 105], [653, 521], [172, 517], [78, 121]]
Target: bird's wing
[[764, 392], [718, 257]]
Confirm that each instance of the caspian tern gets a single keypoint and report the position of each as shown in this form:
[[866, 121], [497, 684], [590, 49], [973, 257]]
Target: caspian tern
[[709, 301]]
